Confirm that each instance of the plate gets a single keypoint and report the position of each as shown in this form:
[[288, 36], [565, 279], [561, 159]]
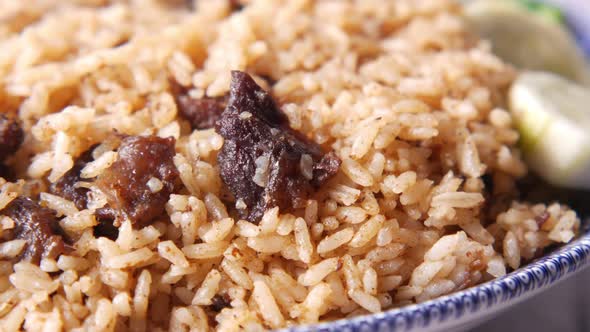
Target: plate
[[465, 309]]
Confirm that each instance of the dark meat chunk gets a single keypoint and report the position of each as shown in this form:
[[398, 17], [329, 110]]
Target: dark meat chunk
[[219, 302], [7, 173], [325, 168], [125, 183], [106, 228], [201, 113], [236, 5], [66, 185], [263, 161], [38, 226], [11, 136]]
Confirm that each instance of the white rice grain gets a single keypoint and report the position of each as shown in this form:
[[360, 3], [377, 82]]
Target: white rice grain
[[367, 231], [317, 272], [269, 244], [208, 288], [389, 283], [424, 273], [154, 185], [303, 240], [365, 300], [248, 229], [140, 302], [270, 220], [236, 273], [11, 249], [62, 206], [458, 199], [130, 259], [96, 167], [445, 246], [216, 230], [356, 172], [316, 299], [370, 281], [170, 251], [267, 304], [121, 304], [205, 250], [511, 250]]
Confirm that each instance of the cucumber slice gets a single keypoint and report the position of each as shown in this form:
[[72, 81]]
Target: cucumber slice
[[528, 39], [553, 117]]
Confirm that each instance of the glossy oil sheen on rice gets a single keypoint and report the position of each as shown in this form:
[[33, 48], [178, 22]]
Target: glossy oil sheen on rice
[[424, 202]]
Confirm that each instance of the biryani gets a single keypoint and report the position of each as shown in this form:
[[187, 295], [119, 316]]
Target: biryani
[[225, 165]]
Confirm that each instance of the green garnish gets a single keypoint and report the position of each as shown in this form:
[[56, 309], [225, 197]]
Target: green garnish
[[551, 13]]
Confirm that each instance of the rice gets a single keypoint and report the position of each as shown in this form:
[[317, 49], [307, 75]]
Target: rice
[[62, 206], [511, 250], [205, 250], [78, 222], [129, 259], [310, 309], [367, 231], [316, 273], [65, 263], [271, 244], [169, 251], [389, 283], [216, 231], [140, 302], [236, 273], [351, 214], [11, 249], [99, 165], [415, 111], [266, 302], [208, 288]]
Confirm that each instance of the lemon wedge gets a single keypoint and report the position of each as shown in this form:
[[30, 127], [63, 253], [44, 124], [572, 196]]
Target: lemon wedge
[[528, 39], [553, 116]]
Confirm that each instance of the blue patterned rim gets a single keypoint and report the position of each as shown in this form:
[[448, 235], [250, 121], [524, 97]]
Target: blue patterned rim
[[582, 36], [577, 15], [505, 290]]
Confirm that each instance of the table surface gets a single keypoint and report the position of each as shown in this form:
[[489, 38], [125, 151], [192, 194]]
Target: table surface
[[564, 308]]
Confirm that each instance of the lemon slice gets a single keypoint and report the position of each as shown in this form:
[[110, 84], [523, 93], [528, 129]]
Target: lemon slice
[[553, 118], [528, 40]]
